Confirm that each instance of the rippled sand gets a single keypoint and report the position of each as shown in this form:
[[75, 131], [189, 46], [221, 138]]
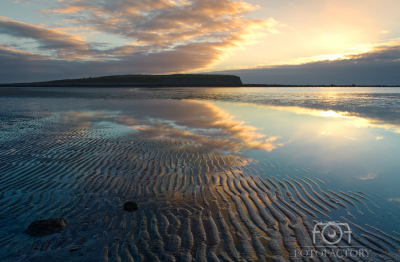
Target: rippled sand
[[195, 204]]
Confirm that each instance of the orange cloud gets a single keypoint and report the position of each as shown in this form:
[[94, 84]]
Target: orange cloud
[[196, 27], [162, 36]]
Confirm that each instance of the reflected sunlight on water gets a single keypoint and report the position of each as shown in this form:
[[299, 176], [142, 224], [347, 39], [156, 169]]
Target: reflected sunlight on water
[[257, 169]]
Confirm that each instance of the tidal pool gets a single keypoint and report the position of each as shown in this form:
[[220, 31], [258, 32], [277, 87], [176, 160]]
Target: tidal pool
[[219, 174]]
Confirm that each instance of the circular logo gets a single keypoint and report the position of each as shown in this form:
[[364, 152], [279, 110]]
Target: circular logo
[[336, 232]]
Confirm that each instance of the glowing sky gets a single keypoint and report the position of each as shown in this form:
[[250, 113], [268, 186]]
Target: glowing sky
[[52, 39]]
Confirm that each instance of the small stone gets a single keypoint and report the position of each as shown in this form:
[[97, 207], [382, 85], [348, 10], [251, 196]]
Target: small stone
[[131, 206], [45, 227]]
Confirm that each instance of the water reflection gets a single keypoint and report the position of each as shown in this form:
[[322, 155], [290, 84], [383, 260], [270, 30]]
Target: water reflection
[[357, 148], [233, 127], [198, 121], [355, 118], [338, 151], [347, 147]]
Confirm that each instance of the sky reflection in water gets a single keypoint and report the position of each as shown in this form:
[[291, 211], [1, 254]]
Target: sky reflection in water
[[347, 146], [347, 149], [332, 140], [199, 121]]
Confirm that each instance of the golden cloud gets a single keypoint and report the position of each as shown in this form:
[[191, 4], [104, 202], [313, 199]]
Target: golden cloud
[[191, 28], [161, 36]]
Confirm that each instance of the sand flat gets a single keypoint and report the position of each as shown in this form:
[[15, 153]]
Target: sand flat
[[199, 195]]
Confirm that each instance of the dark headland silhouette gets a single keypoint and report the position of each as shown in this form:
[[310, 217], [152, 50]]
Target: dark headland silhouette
[[174, 80]]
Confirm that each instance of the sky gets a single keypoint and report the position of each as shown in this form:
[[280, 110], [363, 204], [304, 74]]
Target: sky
[[262, 41]]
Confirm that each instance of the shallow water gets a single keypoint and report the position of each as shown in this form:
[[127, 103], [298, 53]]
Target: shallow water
[[80, 153]]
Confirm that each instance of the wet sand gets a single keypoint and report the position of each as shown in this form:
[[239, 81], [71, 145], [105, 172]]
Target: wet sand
[[195, 204]]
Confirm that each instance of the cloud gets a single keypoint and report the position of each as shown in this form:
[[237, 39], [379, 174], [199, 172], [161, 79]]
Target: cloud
[[16, 65], [67, 46], [379, 66], [7, 52], [379, 137], [368, 177], [384, 53], [385, 32], [163, 24], [161, 36], [180, 59]]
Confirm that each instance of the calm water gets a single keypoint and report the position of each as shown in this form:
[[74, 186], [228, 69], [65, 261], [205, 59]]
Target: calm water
[[349, 138]]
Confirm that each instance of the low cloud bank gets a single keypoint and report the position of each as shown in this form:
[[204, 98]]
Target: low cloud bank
[[378, 67]]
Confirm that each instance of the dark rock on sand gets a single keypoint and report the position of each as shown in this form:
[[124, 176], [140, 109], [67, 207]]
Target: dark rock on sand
[[46, 227], [131, 206]]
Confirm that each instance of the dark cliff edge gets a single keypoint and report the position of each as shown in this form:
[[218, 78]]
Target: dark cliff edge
[[177, 80]]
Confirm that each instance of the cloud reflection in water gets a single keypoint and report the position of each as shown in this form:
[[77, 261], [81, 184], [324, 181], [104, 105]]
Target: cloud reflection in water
[[198, 121]]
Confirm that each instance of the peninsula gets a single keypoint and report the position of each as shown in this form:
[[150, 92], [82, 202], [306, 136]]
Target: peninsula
[[175, 80]]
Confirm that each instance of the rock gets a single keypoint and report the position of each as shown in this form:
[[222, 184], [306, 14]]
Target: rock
[[46, 227], [131, 206]]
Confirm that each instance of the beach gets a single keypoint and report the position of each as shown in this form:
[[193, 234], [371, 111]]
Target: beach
[[219, 175]]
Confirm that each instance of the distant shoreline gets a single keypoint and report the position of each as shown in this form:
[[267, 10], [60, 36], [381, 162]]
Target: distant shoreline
[[163, 81], [175, 80]]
